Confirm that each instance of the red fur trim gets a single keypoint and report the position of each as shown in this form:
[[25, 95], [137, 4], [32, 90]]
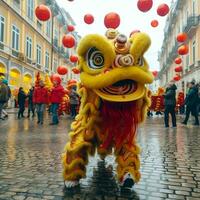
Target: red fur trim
[[119, 123]]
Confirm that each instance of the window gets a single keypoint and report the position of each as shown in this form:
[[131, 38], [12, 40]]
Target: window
[[48, 29], [55, 64], [28, 47], [15, 38], [39, 25], [30, 7], [16, 4], [39, 54], [194, 51], [2, 27], [193, 7], [47, 60]]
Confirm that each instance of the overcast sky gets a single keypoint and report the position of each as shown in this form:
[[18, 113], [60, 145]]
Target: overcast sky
[[131, 19]]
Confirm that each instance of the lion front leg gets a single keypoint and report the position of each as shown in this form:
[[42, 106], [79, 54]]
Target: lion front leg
[[128, 162]]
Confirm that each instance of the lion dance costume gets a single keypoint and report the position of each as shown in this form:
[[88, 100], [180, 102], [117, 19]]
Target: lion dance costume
[[114, 100]]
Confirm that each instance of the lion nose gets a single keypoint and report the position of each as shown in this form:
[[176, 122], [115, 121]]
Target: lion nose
[[123, 60]]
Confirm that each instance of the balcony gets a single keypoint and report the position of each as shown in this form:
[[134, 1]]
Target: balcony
[[29, 61], [192, 22], [1, 46], [15, 53]]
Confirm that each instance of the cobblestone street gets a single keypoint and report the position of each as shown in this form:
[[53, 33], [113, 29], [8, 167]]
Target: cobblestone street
[[30, 163]]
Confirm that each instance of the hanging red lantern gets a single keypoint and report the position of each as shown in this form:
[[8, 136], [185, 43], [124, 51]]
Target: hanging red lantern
[[181, 37], [76, 70], [178, 61], [88, 19], [73, 58], [144, 5], [178, 69], [62, 70], [70, 28], [68, 41], [177, 78], [56, 77], [112, 20], [42, 12], [155, 73], [134, 32], [154, 23], [183, 50], [163, 9]]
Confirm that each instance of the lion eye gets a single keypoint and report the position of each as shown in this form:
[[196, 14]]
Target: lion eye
[[95, 58]]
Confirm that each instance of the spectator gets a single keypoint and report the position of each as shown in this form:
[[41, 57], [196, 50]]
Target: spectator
[[40, 98], [74, 101], [8, 97], [191, 102], [56, 98], [31, 106], [170, 104], [4, 93], [21, 102]]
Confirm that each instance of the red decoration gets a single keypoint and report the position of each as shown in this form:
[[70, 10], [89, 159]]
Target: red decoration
[[76, 70], [70, 28], [73, 58], [88, 19], [183, 50], [154, 23], [134, 32], [43, 13], [62, 70], [112, 20], [155, 73], [163, 9], [56, 77], [181, 37], [68, 41], [179, 69], [178, 61], [177, 78], [144, 5]]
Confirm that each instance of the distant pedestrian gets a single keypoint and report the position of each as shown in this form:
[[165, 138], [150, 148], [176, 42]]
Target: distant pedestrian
[[191, 102], [4, 93], [170, 104], [56, 98], [74, 101], [40, 98], [21, 102], [31, 105]]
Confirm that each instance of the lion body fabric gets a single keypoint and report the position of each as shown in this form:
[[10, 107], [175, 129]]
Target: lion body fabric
[[114, 100]]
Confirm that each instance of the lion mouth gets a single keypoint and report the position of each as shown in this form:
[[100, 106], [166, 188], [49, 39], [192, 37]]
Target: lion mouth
[[122, 87]]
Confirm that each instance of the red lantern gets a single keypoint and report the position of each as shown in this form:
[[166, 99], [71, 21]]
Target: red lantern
[[155, 73], [178, 61], [56, 77], [183, 50], [73, 58], [181, 37], [76, 71], [70, 28], [88, 19], [68, 41], [154, 23], [43, 13], [177, 78], [62, 70], [179, 69], [144, 5], [134, 32], [112, 20], [163, 9]]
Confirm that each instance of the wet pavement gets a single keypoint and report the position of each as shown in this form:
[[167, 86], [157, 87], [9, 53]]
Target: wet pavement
[[30, 164]]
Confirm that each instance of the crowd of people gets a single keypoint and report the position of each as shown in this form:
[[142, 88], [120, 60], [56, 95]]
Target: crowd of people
[[39, 99], [191, 102]]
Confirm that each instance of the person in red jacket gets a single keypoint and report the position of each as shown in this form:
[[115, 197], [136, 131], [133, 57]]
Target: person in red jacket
[[56, 98], [40, 98]]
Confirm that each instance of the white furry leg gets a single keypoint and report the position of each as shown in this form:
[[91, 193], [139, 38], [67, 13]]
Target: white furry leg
[[71, 184]]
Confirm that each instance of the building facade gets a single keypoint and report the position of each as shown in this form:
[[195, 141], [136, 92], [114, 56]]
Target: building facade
[[28, 45], [184, 16]]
